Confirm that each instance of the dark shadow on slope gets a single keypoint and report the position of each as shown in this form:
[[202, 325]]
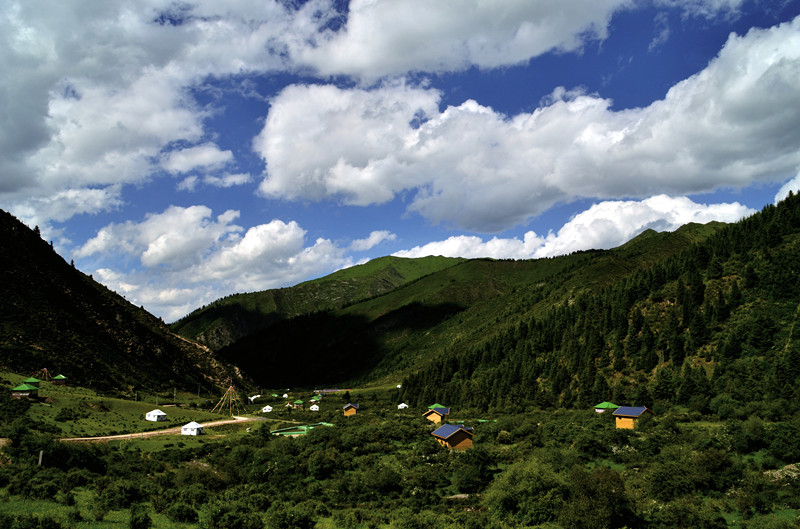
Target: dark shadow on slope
[[325, 348]]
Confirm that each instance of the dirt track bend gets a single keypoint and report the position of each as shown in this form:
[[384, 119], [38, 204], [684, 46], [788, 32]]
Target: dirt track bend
[[151, 433]]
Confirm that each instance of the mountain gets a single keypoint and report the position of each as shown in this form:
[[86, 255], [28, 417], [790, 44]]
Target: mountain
[[401, 332], [233, 317], [53, 316]]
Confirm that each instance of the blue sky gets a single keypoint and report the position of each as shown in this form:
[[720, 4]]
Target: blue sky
[[183, 151]]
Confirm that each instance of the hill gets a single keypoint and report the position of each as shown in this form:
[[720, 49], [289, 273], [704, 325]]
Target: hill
[[53, 316], [386, 337], [233, 317]]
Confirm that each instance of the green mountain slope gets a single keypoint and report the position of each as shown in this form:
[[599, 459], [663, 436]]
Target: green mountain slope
[[229, 319], [402, 331], [713, 328], [53, 316]]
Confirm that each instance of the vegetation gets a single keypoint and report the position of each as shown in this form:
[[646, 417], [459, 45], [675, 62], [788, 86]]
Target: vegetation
[[55, 317], [226, 320]]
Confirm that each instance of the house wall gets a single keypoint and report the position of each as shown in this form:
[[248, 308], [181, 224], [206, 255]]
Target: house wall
[[627, 423], [350, 411], [435, 417]]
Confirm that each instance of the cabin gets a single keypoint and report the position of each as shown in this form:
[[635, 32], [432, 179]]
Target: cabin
[[437, 415], [603, 406], [402, 406], [627, 416], [60, 380], [266, 409], [155, 416], [454, 436], [192, 428], [350, 409], [298, 404], [25, 391], [32, 381]]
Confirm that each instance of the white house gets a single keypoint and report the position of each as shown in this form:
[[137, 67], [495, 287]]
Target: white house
[[155, 416], [192, 428], [402, 406], [266, 409], [314, 407]]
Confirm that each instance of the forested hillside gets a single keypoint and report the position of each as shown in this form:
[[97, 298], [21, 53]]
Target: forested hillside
[[55, 317], [713, 327], [390, 336]]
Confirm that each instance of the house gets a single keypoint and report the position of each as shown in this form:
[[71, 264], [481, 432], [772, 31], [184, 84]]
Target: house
[[24, 391], [32, 381], [402, 406], [314, 407], [454, 436], [60, 380], [350, 409], [603, 406], [155, 416], [627, 416], [266, 409], [192, 428], [298, 404], [437, 415]]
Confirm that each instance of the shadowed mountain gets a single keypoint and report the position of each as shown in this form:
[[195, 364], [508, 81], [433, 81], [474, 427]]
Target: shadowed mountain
[[55, 317]]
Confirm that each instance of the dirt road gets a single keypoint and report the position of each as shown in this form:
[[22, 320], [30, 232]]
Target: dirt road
[[142, 435]]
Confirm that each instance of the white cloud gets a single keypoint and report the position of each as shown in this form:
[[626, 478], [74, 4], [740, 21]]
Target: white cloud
[[471, 167], [188, 257], [207, 156], [792, 185], [374, 239], [602, 226], [387, 37]]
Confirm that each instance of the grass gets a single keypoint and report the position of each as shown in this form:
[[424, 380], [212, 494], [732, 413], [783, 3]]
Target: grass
[[81, 412]]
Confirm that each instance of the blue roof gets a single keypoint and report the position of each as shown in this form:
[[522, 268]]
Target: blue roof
[[440, 411], [631, 411], [447, 430], [351, 404]]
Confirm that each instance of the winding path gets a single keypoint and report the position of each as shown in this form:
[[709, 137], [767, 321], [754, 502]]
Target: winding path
[[152, 433]]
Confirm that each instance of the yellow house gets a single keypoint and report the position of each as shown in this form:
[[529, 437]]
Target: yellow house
[[454, 436], [626, 416], [350, 409], [437, 415]]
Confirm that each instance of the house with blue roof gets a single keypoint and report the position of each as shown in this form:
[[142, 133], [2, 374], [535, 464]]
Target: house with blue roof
[[627, 416], [350, 409], [455, 436], [437, 415]]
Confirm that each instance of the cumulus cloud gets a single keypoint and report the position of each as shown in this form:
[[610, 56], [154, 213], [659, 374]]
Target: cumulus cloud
[[602, 226], [187, 256], [471, 167], [386, 37]]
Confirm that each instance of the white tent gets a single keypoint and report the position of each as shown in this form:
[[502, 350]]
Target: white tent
[[314, 407], [192, 428], [402, 406], [285, 395], [266, 409], [155, 415]]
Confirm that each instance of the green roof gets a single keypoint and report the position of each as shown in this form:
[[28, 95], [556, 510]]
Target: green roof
[[606, 405], [24, 387], [59, 377], [437, 405], [298, 401], [31, 379]]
